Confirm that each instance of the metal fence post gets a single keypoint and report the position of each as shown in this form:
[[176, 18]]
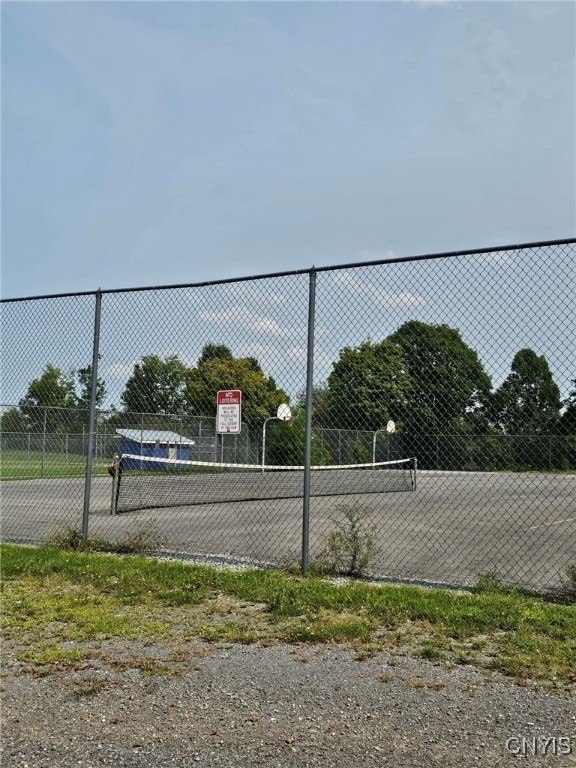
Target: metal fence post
[[92, 421], [44, 427], [515, 472], [308, 428]]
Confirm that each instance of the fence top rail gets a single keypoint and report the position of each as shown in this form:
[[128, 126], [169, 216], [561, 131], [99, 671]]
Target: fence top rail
[[309, 270]]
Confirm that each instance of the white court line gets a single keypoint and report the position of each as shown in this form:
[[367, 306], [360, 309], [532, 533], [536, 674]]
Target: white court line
[[556, 522]]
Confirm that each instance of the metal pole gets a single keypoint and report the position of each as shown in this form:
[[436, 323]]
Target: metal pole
[[264, 444], [264, 440], [43, 445], [43, 442], [116, 469], [374, 444], [92, 420], [308, 428]]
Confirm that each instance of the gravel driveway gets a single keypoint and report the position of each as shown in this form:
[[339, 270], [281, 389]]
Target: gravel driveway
[[279, 707]]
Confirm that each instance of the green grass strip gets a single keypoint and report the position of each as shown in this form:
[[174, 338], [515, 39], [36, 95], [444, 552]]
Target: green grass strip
[[30, 465], [53, 596]]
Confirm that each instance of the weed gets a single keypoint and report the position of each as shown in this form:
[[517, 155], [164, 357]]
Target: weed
[[144, 539], [69, 538], [149, 667], [430, 651], [566, 592], [351, 546], [52, 654], [331, 627], [489, 582], [91, 686], [228, 631]]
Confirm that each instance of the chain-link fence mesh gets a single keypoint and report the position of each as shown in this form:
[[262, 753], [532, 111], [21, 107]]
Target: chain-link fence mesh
[[463, 365]]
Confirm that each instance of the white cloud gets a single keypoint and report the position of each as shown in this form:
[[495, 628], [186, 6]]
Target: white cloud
[[240, 318], [355, 285], [497, 258]]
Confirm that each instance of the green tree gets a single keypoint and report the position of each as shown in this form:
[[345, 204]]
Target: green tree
[[213, 351], [568, 419], [368, 386], [449, 386], [259, 400], [528, 402], [84, 385], [286, 443], [13, 420], [49, 402], [156, 386], [320, 404]]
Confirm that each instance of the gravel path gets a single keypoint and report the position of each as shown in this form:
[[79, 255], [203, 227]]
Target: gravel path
[[278, 707]]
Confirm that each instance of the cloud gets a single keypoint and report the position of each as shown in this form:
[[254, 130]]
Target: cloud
[[348, 281], [502, 258], [123, 371], [257, 292], [240, 318], [276, 357]]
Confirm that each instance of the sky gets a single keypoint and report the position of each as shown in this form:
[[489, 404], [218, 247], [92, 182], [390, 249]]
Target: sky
[[159, 143]]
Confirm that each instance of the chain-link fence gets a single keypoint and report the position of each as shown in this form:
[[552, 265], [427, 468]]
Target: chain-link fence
[[413, 419]]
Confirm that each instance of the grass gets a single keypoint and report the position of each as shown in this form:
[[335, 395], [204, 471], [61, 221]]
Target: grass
[[27, 465], [141, 540], [57, 603]]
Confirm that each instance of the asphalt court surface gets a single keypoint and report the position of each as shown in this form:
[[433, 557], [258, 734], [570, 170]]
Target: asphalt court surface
[[453, 528]]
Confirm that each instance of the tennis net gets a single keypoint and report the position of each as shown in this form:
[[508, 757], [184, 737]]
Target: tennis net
[[146, 482]]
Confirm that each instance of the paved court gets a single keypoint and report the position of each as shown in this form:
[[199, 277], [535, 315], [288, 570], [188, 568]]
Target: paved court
[[455, 527]]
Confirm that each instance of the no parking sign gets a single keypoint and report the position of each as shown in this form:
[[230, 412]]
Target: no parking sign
[[228, 412]]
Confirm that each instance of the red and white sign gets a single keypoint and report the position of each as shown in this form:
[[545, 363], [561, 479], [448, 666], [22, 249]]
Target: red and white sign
[[228, 412]]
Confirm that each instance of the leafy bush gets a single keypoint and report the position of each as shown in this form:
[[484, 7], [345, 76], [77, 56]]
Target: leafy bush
[[351, 546]]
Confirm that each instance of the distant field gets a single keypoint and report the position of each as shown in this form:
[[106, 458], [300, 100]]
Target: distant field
[[27, 465]]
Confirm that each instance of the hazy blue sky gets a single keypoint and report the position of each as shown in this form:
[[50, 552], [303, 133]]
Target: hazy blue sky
[[148, 143]]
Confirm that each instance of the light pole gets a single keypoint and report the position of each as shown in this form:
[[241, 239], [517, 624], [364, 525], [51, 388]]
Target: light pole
[[282, 414], [390, 428]]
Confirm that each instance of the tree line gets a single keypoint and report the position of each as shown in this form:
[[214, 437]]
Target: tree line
[[423, 377], [429, 381], [59, 401]]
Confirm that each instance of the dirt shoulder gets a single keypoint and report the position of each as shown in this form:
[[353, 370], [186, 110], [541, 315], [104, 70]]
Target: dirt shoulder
[[133, 705]]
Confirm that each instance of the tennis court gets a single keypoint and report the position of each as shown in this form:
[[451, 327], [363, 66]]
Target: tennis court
[[455, 527]]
